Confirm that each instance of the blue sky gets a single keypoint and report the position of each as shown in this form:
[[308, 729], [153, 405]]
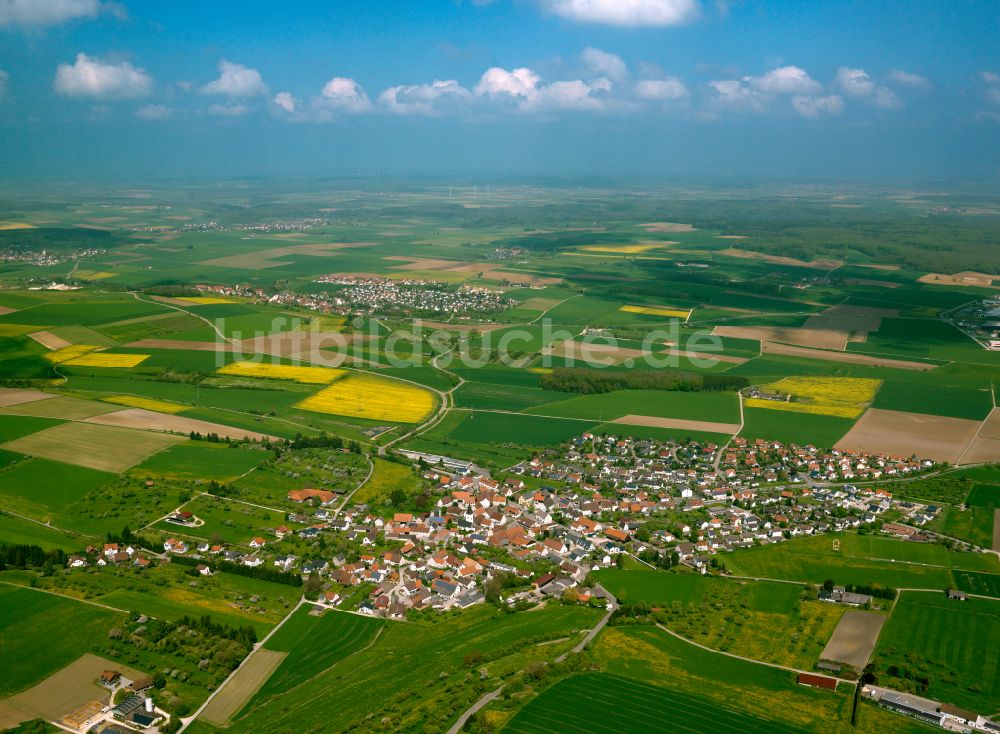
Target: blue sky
[[614, 88]]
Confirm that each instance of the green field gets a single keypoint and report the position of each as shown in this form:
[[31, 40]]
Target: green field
[[946, 643], [973, 524], [225, 521], [482, 427], [762, 620], [957, 402], [984, 584], [822, 431], [40, 488], [17, 531], [201, 460], [314, 644], [598, 702], [862, 559], [16, 426], [720, 407], [28, 619]]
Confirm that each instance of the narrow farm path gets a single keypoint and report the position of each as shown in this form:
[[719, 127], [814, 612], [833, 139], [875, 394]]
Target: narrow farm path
[[612, 605], [722, 449], [363, 482], [474, 709]]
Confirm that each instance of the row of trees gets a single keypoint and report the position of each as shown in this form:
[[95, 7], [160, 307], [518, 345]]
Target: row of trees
[[585, 381]]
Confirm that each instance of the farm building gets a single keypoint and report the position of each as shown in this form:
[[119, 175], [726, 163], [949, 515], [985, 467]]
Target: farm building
[[301, 495], [956, 595], [817, 681], [904, 703]]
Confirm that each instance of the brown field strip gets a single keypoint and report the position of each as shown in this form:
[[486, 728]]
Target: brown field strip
[[789, 350], [4, 310], [666, 227], [816, 338], [11, 396], [49, 340], [69, 409], [242, 686], [905, 434], [705, 355], [854, 638], [595, 353], [991, 426], [981, 451], [101, 447], [148, 420], [781, 259], [678, 423], [212, 346], [968, 277], [69, 689]]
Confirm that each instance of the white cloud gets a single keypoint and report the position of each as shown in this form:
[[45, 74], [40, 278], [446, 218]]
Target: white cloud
[[89, 77], [990, 77], [626, 12], [908, 79], [423, 99], [807, 106], [46, 12], [496, 82], [524, 87], [887, 99], [153, 112], [571, 95], [670, 88], [785, 80], [604, 63], [228, 110], [286, 101], [993, 95], [342, 93], [854, 82], [236, 80], [4, 78], [734, 95]]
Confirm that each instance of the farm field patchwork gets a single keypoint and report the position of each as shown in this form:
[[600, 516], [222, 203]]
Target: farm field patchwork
[[148, 420], [40, 488]]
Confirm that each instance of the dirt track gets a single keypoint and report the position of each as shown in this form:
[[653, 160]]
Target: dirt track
[[678, 423], [847, 357]]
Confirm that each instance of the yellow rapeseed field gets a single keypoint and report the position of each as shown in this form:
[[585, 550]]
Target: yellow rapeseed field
[[845, 397], [362, 395], [94, 274], [67, 353], [206, 300], [620, 249], [16, 225], [134, 401], [308, 375], [104, 359], [673, 313]]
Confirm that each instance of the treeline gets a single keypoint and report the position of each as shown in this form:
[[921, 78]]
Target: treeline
[[127, 537], [204, 624], [323, 441], [261, 573], [29, 556], [585, 381]]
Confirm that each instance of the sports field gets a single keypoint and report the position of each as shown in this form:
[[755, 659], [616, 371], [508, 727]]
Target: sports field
[[362, 395], [105, 448], [598, 702]]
